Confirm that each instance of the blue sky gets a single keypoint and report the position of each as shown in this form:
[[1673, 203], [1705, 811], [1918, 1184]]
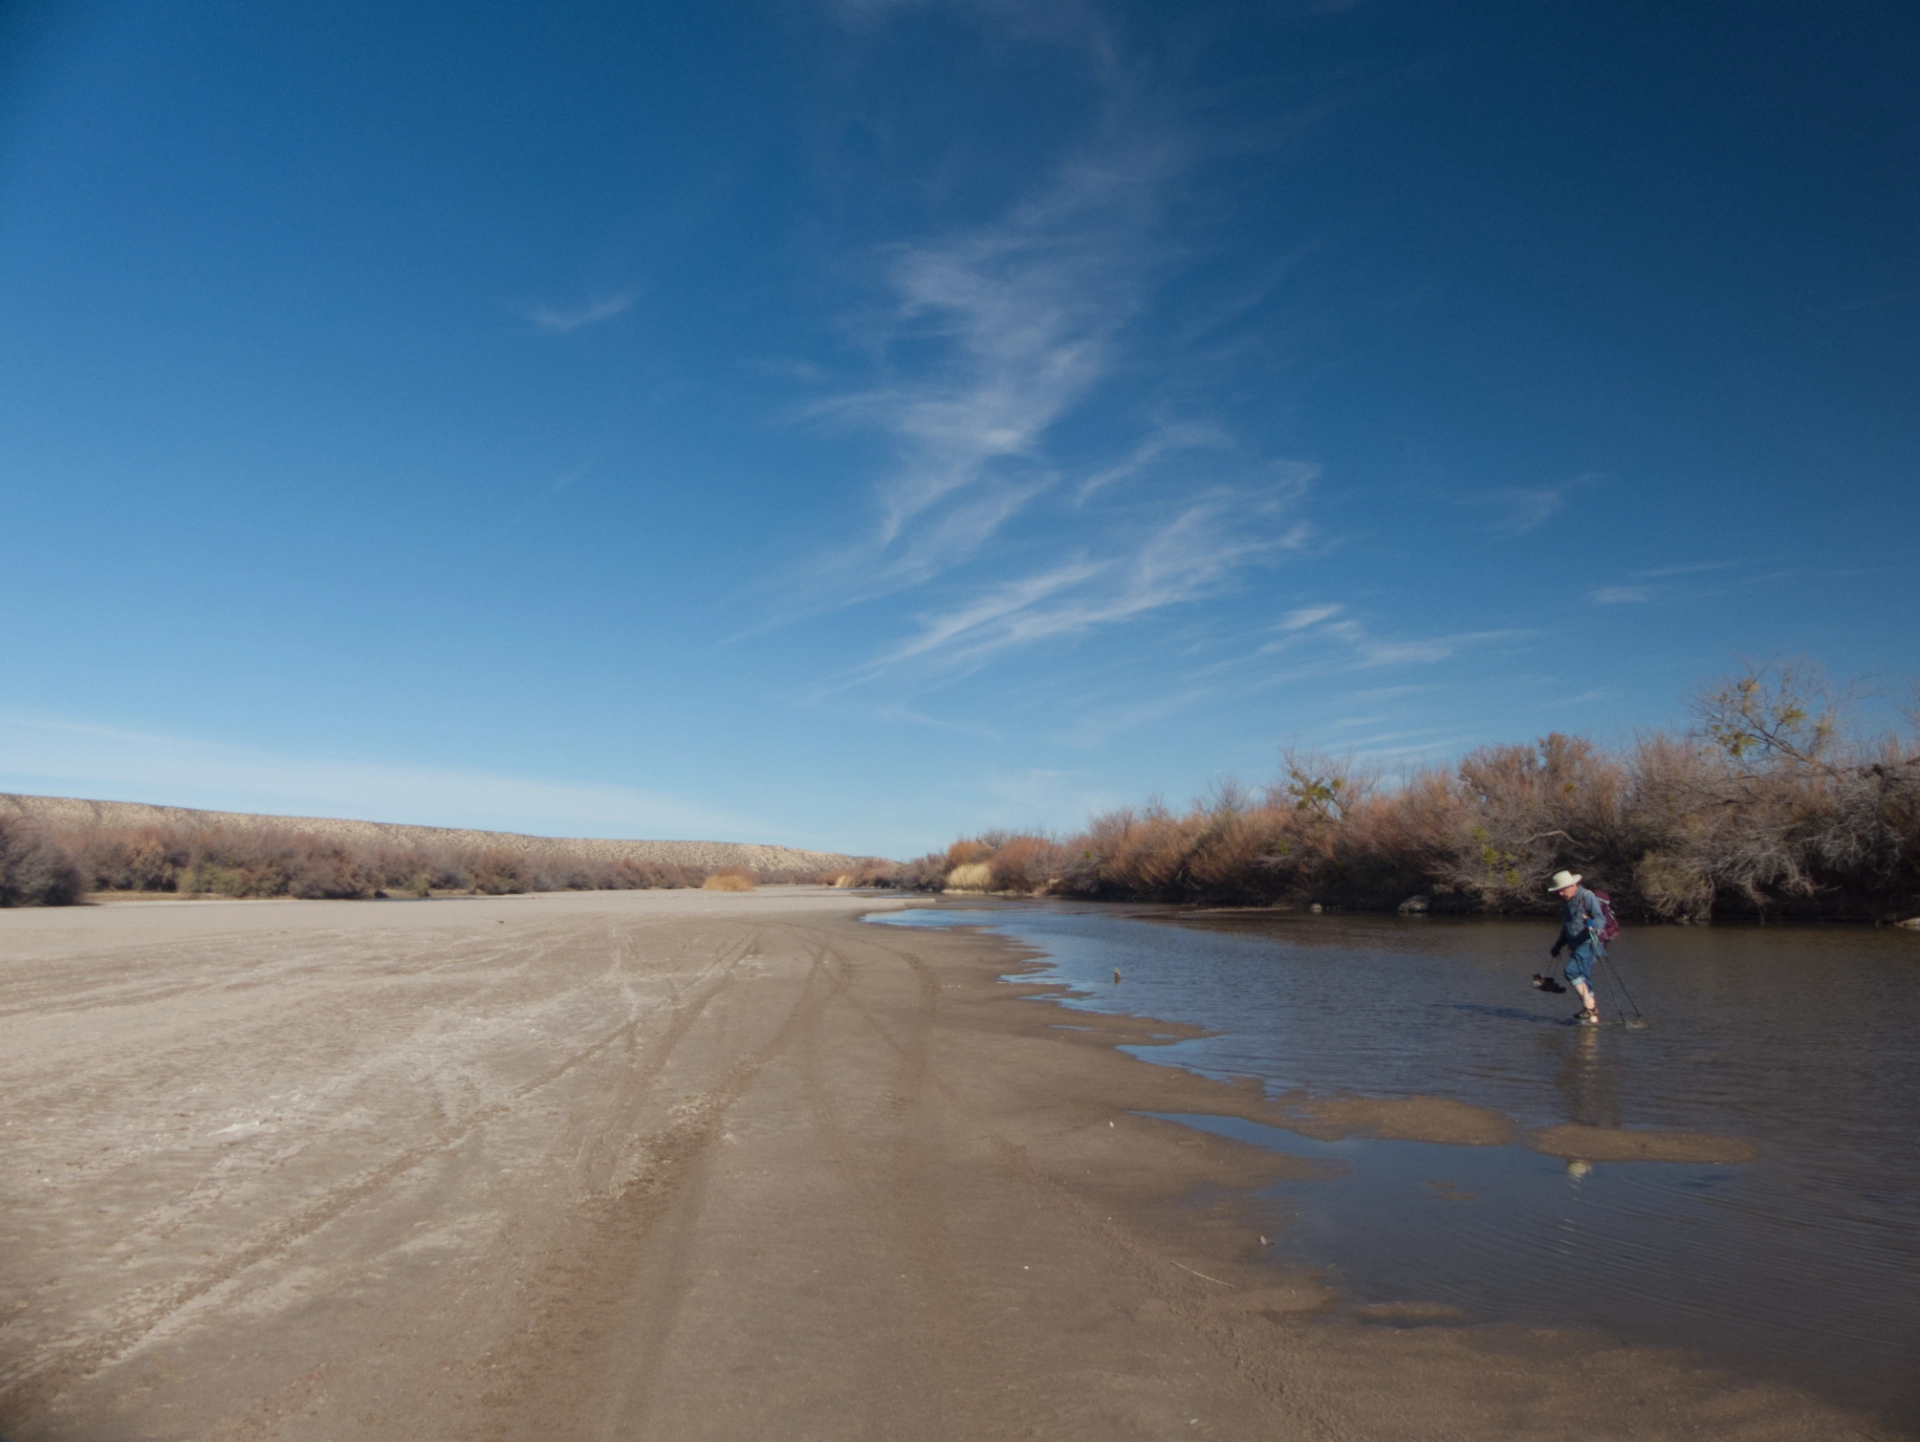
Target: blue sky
[[855, 424]]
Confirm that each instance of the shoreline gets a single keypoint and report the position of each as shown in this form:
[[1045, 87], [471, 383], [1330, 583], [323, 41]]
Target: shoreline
[[694, 1165], [1418, 1118], [1179, 912], [1168, 913]]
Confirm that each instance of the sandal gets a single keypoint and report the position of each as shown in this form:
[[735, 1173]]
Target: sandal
[[1588, 1017]]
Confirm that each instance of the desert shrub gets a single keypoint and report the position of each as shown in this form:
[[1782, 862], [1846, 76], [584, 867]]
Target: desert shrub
[[1142, 854], [34, 869], [968, 852], [731, 878], [493, 871], [264, 861], [1672, 887], [328, 872], [1227, 851], [627, 875], [568, 875], [1022, 863], [148, 859], [923, 873], [1516, 808]]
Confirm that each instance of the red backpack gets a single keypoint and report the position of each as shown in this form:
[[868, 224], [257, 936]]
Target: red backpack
[[1610, 927]]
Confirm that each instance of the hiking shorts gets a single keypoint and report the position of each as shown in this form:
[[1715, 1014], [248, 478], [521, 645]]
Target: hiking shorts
[[1580, 964]]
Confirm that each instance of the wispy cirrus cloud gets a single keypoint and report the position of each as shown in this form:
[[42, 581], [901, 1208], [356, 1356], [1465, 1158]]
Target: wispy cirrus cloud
[[559, 320], [1698, 580], [1201, 551], [1008, 326], [1006, 611], [1166, 439], [1357, 649], [1322, 642], [1692, 568], [1428, 650], [1515, 512], [1305, 616], [1026, 416]]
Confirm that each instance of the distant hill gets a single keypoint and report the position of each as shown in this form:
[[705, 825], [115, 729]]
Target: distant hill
[[69, 813]]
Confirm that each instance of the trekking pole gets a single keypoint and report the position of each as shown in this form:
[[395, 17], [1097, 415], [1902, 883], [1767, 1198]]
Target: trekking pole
[[1614, 972]]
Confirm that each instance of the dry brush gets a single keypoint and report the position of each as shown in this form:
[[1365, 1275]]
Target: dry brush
[[1766, 808]]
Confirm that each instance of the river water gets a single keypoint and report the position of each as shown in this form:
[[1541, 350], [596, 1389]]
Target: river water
[[1803, 1264]]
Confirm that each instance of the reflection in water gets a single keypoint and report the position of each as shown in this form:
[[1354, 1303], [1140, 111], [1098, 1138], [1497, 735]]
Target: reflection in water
[[1799, 1265], [1589, 1077]]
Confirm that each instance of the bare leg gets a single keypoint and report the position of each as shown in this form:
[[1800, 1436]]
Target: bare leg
[[1587, 998]]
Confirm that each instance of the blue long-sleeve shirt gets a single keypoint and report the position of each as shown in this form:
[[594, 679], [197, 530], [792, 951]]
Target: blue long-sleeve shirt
[[1580, 921]]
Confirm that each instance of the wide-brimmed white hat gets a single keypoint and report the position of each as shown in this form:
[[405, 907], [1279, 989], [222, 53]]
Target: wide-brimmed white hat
[[1563, 879]]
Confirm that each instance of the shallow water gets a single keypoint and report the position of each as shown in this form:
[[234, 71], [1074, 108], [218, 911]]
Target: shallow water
[[1804, 1264]]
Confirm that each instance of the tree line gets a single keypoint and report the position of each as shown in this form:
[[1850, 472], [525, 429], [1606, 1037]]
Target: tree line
[[1768, 806]]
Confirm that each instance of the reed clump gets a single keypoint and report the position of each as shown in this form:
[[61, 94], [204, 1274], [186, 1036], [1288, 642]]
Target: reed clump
[[732, 878], [970, 876]]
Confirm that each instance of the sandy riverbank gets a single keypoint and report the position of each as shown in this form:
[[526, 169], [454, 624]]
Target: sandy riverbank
[[681, 1165]]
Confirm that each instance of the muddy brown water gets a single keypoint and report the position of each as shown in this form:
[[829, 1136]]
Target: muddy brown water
[[1801, 1264]]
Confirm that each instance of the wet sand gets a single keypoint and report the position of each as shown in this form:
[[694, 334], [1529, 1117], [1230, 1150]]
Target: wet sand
[[1460, 1124], [688, 1165]]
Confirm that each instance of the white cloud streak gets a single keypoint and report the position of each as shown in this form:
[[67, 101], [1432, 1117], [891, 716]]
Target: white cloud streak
[[1021, 319], [1324, 624], [1691, 568], [1199, 553], [1307, 616], [557, 321], [986, 341], [1519, 509], [1165, 440]]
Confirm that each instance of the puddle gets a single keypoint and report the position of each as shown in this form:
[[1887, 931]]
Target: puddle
[[1492, 1232]]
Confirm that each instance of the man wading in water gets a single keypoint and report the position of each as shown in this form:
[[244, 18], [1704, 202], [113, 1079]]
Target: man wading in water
[[1581, 918]]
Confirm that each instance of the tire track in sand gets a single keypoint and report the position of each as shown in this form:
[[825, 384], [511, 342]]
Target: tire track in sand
[[957, 1330], [913, 1351], [162, 1310], [599, 1311]]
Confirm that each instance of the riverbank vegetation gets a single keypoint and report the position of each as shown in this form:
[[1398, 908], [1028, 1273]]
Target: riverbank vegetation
[[1768, 807], [34, 870], [56, 866]]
